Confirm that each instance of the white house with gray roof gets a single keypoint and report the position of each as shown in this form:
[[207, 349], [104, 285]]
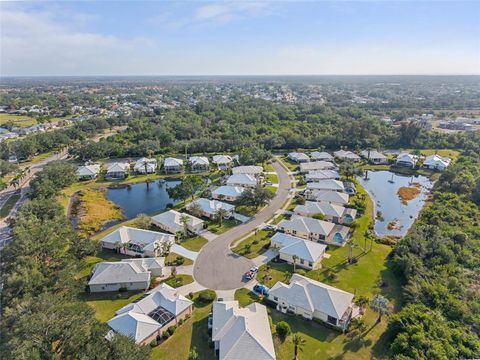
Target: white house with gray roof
[[374, 156], [172, 165], [241, 333], [199, 163], [316, 166], [436, 162], [321, 156], [145, 166], [148, 317], [309, 254], [88, 172], [242, 180], [407, 160], [248, 169], [298, 157], [331, 212], [329, 185], [222, 161], [346, 155], [314, 300], [171, 221], [210, 207], [228, 193], [333, 197], [136, 242], [117, 170], [322, 175], [315, 230]]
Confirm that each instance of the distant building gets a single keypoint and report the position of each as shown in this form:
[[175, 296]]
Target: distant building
[[436, 162], [145, 166], [346, 155], [406, 160], [88, 172], [374, 157], [117, 171], [199, 163], [321, 156], [173, 165], [248, 169], [298, 157]]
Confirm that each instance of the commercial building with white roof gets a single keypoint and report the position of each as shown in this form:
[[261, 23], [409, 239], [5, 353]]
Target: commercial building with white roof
[[316, 165], [136, 242], [171, 221], [315, 230], [331, 212], [309, 253], [314, 300], [228, 193], [242, 180], [209, 208], [241, 333], [148, 317]]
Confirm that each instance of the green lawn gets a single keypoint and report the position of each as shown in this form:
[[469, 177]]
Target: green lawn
[[289, 164], [268, 168], [258, 243], [453, 154], [215, 227], [9, 204], [103, 255], [194, 243], [272, 273], [245, 297], [273, 189], [246, 210], [193, 333], [106, 304], [18, 120], [172, 256], [179, 280], [272, 177]]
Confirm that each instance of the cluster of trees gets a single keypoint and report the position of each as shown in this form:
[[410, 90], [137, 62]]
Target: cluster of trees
[[439, 261], [43, 317], [55, 176], [256, 197]]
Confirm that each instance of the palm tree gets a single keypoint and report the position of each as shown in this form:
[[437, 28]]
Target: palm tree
[[179, 236], [118, 246], [221, 214], [361, 302], [380, 305], [157, 247], [298, 343], [287, 276], [184, 219], [166, 246], [295, 259], [195, 209]]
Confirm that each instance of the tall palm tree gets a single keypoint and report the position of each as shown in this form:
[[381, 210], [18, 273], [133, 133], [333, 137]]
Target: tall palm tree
[[380, 305], [298, 343], [295, 259], [184, 219], [221, 214]]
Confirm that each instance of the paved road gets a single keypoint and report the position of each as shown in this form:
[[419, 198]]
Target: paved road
[[217, 267]]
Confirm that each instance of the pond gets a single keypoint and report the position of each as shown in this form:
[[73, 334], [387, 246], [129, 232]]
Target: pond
[[142, 198], [394, 217]]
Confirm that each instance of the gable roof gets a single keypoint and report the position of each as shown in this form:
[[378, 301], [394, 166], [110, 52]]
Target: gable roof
[[172, 162], [322, 175], [118, 167], [342, 154], [315, 207], [298, 156], [313, 295], [140, 164], [136, 326], [304, 249], [435, 160], [145, 239], [374, 154], [406, 157], [248, 169], [321, 155], [242, 333], [211, 206], [226, 190], [171, 218], [329, 196], [307, 225], [199, 160], [222, 159], [244, 179], [118, 272], [328, 184], [88, 170]]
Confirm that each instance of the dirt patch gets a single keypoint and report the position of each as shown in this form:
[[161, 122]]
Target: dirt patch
[[409, 193], [394, 225]]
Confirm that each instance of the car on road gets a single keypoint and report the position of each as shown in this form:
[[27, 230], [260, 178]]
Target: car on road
[[268, 182], [270, 227], [261, 289], [251, 273]]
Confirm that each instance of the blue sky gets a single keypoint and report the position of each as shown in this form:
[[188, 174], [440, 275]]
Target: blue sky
[[239, 37]]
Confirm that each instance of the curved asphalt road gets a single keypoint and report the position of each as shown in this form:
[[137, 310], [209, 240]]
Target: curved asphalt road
[[216, 266]]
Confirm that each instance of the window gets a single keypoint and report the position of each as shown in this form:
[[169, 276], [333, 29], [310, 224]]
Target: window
[[332, 320], [302, 261], [294, 232], [310, 264]]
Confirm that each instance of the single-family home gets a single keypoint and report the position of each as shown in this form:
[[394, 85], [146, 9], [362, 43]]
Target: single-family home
[[316, 166], [171, 221], [321, 156], [129, 274], [172, 165], [333, 197], [298, 157], [242, 180], [436, 162], [315, 230], [117, 170], [199, 163], [241, 333], [147, 318], [136, 242], [314, 300], [248, 169], [308, 254], [374, 156], [209, 208], [228, 193], [322, 175], [331, 212], [407, 160], [346, 155], [223, 162], [88, 172], [145, 166], [329, 185]]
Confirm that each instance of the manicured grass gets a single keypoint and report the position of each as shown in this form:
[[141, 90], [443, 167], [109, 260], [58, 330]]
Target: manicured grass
[[453, 154], [272, 177], [94, 210], [278, 219], [272, 273], [289, 164], [258, 244], [105, 304], [193, 333], [194, 243], [18, 120], [172, 256], [246, 210], [179, 280], [9, 204], [268, 168], [245, 297], [273, 189], [226, 225], [103, 255]]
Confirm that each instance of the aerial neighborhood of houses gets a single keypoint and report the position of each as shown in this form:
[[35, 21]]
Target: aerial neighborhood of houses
[[302, 237]]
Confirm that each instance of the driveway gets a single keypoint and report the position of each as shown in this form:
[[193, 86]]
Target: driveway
[[180, 250], [217, 267]]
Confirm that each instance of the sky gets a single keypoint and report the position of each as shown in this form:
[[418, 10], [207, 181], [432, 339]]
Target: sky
[[91, 38]]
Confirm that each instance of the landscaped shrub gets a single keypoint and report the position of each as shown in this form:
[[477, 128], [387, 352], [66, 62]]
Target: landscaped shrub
[[179, 260], [123, 289], [207, 296], [300, 272], [153, 343], [283, 329], [171, 330], [166, 335]]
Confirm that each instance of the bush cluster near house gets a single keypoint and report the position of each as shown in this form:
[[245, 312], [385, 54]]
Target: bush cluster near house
[[42, 316], [438, 260]]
